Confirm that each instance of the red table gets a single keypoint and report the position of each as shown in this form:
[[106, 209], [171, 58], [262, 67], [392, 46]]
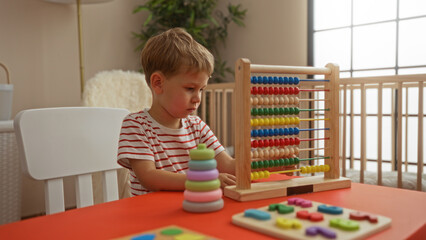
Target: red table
[[138, 214]]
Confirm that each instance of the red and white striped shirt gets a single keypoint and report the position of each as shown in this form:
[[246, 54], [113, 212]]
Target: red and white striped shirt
[[144, 138]]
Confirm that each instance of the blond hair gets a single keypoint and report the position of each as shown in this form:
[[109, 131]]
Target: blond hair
[[175, 51]]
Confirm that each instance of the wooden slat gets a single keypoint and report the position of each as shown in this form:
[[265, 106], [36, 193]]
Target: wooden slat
[[345, 90], [218, 114], [379, 132], [257, 68], [406, 131], [212, 110], [420, 139], [203, 106], [242, 125], [385, 79], [351, 130], [393, 133], [399, 135], [225, 110], [363, 135]]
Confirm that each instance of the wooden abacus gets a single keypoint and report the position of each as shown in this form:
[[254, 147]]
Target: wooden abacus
[[244, 190]]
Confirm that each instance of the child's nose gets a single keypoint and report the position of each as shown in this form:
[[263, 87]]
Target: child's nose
[[196, 98]]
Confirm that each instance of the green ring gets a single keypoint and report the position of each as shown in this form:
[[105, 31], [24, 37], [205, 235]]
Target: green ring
[[202, 186], [201, 153]]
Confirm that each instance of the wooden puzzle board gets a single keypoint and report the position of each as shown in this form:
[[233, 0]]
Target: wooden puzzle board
[[269, 227], [185, 235]]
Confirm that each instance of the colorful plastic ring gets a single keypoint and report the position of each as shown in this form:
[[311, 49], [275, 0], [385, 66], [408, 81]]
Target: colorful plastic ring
[[201, 153], [202, 207], [202, 165], [202, 175], [209, 196], [203, 186]]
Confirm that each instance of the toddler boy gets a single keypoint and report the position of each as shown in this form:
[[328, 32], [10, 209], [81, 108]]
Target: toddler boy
[[154, 143]]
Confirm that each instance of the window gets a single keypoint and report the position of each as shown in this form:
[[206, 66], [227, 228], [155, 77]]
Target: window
[[368, 38]]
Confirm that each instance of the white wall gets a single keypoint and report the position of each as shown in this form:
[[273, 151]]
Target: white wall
[[39, 45]]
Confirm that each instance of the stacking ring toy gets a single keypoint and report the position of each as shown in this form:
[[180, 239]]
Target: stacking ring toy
[[202, 207], [202, 165], [209, 196], [202, 175], [201, 153], [202, 186]]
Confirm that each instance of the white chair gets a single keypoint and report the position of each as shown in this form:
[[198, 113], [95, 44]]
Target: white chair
[[75, 141], [120, 89]]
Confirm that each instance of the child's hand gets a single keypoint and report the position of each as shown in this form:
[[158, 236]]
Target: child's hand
[[226, 179]]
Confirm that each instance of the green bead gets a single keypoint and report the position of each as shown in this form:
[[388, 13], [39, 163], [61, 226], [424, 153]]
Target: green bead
[[253, 165], [265, 163], [290, 111], [260, 111], [296, 160], [271, 163], [296, 110], [291, 161], [276, 163], [254, 111], [286, 162], [276, 111], [285, 111], [259, 164], [281, 111], [270, 111], [281, 162]]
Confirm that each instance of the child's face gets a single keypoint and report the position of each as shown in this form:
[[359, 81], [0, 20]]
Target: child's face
[[182, 93]]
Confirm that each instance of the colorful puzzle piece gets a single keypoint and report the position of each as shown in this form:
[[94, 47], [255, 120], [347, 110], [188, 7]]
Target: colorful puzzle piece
[[167, 233], [285, 223], [281, 208], [257, 214], [343, 224], [325, 232], [299, 202], [363, 216], [330, 209], [313, 217]]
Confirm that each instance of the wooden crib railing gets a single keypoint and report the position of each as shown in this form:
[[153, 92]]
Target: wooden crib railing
[[217, 110]]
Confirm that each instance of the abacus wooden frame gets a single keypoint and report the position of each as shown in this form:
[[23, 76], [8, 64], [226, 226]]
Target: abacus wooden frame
[[244, 190]]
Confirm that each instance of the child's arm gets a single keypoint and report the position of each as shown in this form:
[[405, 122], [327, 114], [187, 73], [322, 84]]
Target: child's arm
[[226, 167], [154, 179]]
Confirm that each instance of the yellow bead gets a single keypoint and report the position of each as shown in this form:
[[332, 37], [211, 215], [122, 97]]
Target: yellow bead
[[297, 120], [287, 121], [267, 174], [317, 169], [303, 170], [251, 176], [326, 168], [252, 122], [321, 168], [282, 121], [272, 121], [261, 175], [292, 120], [266, 122], [255, 175], [261, 122]]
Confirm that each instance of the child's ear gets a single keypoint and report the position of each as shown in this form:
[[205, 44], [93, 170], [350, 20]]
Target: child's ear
[[157, 82]]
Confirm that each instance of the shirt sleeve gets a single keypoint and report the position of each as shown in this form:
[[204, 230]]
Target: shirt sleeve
[[134, 142], [207, 136]]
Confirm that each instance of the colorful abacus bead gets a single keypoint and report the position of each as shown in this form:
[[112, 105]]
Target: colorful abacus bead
[[203, 192]]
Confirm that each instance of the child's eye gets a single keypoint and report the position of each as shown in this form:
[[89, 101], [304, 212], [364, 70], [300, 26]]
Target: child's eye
[[190, 89]]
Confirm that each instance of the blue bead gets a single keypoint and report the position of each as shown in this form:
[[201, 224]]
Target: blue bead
[[253, 133], [285, 131], [252, 80], [275, 80], [291, 80], [280, 80], [281, 131], [285, 80], [265, 80], [296, 81], [270, 80], [296, 131], [271, 132], [275, 132], [290, 131], [260, 133], [265, 132]]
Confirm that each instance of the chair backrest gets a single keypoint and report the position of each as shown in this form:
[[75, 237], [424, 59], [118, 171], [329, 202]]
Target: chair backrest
[[74, 141]]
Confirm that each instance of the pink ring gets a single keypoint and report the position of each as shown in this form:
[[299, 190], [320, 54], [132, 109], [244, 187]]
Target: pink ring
[[203, 196], [202, 175]]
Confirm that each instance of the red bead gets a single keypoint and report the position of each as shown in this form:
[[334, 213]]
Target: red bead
[[286, 90], [290, 91], [286, 141], [265, 143], [254, 144], [280, 90], [296, 90], [291, 141], [282, 142], [265, 91], [271, 142], [276, 91], [260, 90], [296, 141], [260, 143], [276, 142], [271, 90]]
